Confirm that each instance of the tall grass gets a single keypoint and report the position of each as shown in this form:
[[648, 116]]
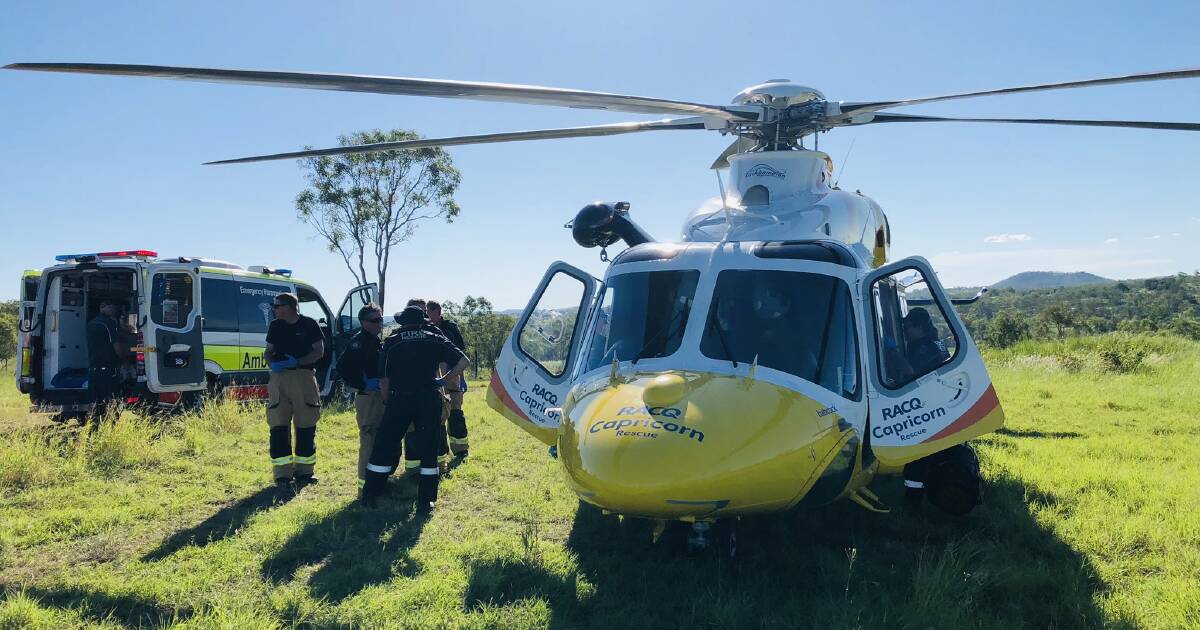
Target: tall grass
[[1117, 352]]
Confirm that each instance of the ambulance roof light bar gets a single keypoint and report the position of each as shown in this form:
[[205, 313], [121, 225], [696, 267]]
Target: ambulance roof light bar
[[269, 271], [125, 253]]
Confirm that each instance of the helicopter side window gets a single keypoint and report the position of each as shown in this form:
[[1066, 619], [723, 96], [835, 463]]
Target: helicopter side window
[[912, 331], [794, 322], [546, 335], [642, 316]]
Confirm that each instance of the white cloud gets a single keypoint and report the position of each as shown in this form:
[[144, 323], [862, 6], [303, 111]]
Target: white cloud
[[1154, 238], [1112, 240], [1176, 234], [1007, 238]]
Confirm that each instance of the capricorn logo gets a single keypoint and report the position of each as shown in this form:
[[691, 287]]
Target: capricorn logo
[[765, 170]]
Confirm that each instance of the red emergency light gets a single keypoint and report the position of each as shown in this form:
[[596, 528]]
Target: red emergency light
[[129, 253]]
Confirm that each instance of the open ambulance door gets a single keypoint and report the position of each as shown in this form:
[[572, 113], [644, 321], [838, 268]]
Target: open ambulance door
[[172, 333], [347, 323], [928, 389], [31, 283], [533, 372]]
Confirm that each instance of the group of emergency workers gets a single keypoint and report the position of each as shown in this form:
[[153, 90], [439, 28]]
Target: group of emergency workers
[[408, 388]]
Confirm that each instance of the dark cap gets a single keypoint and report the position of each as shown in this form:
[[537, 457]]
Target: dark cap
[[918, 317], [411, 316], [106, 302]]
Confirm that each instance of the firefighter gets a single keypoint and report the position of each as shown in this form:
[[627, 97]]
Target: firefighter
[[359, 368], [410, 385], [294, 345], [412, 462], [104, 357], [456, 425]]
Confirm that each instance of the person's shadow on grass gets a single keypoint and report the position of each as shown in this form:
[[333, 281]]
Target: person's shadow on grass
[[355, 547], [225, 523]]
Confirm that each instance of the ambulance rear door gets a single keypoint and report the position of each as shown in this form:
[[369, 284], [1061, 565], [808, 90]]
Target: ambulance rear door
[[928, 389], [173, 333], [533, 372], [31, 282]]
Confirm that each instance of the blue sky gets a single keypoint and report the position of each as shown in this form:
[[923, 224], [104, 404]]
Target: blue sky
[[92, 163]]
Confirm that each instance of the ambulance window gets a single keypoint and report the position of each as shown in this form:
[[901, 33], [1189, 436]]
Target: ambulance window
[[254, 305], [219, 300], [546, 336], [642, 315], [312, 306], [171, 299], [794, 322], [913, 336]]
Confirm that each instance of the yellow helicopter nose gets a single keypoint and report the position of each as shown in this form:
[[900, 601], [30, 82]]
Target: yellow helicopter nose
[[689, 445]]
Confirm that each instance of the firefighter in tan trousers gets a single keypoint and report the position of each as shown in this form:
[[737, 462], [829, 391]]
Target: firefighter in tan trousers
[[359, 368], [294, 345]]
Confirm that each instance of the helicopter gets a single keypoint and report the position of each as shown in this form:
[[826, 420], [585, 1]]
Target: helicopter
[[772, 358]]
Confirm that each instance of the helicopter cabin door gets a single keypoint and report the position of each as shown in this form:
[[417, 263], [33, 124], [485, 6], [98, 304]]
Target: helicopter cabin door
[[533, 372], [928, 388]]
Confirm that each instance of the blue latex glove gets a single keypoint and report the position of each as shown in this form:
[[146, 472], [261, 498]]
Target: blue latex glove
[[439, 382], [288, 362], [371, 384]]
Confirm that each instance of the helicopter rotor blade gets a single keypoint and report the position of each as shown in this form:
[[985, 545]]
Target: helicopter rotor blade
[[740, 145], [866, 107], [439, 88], [884, 117], [696, 122]]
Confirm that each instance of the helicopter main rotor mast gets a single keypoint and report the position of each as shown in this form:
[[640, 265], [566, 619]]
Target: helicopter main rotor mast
[[772, 116]]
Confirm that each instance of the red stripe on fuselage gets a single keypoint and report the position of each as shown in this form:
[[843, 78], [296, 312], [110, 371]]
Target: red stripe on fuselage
[[502, 394], [980, 410]]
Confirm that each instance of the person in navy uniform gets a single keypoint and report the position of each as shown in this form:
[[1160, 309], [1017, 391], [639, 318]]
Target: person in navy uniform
[[456, 424], [924, 352], [294, 345], [410, 385], [359, 368], [104, 357]]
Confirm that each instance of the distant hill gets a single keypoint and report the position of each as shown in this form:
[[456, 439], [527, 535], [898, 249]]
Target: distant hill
[[1029, 280]]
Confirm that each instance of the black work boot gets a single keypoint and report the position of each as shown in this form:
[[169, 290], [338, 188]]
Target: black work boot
[[303, 481]]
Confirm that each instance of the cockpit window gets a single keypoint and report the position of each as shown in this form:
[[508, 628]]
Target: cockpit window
[[799, 323], [642, 316]]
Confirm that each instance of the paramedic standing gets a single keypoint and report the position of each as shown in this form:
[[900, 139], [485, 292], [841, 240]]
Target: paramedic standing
[[359, 368], [457, 424], [410, 386], [294, 345], [104, 357]]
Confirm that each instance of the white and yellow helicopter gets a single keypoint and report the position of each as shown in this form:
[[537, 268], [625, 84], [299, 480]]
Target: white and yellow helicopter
[[771, 358]]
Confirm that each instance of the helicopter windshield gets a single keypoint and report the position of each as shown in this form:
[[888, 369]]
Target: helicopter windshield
[[795, 322], [642, 316]]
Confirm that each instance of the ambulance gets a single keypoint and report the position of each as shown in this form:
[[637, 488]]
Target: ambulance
[[194, 327]]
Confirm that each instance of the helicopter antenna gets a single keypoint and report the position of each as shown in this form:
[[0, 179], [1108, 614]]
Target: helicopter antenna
[[724, 206], [846, 158]]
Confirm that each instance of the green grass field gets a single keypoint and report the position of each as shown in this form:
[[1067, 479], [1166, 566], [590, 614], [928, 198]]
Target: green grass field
[[1092, 519]]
